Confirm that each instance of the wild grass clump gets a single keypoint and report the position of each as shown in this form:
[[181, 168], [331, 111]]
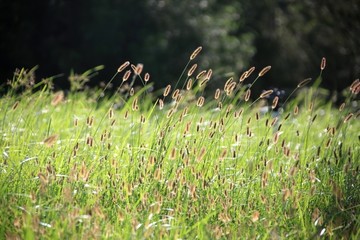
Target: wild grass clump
[[180, 164]]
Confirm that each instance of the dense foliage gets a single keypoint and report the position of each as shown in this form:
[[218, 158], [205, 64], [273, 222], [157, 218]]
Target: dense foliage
[[61, 35]]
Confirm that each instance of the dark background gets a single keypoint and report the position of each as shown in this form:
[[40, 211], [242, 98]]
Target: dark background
[[291, 36]]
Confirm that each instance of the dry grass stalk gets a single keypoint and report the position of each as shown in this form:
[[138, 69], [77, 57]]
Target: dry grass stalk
[[192, 69], [264, 71], [123, 66], [50, 141], [304, 82], [195, 53], [266, 93]]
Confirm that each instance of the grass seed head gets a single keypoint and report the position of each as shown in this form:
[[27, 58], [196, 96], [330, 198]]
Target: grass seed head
[[266, 93], [200, 101], [264, 71], [247, 95], [201, 74], [167, 90], [323, 63], [58, 98], [275, 102], [147, 77], [195, 53], [348, 117], [126, 75], [192, 69], [189, 84], [208, 74], [304, 82], [123, 66], [50, 141], [249, 72]]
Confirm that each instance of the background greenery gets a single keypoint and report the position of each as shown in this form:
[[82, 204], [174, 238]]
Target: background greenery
[[292, 36]]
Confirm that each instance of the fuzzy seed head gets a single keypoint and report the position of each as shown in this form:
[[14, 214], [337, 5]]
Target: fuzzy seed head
[[323, 63], [195, 53], [123, 66], [264, 71]]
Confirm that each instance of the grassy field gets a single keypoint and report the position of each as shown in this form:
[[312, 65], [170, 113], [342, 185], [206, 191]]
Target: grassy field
[[180, 166]]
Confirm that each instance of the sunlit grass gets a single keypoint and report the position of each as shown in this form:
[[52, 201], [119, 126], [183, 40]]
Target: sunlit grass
[[182, 166]]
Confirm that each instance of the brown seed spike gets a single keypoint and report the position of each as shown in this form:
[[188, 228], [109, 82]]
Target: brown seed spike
[[50, 141], [58, 98], [264, 71], [323, 63], [266, 93], [348, 117], [296, 110], [195, 53], [304, 82], [16, 104]]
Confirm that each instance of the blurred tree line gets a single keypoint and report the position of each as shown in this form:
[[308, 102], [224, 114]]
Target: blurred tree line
[[291, 36]]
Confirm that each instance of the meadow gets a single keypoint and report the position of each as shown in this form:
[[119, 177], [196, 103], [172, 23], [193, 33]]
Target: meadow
[[180, 163]]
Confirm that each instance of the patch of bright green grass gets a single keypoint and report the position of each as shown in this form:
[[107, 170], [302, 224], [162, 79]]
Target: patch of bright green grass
[[86, 166]]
